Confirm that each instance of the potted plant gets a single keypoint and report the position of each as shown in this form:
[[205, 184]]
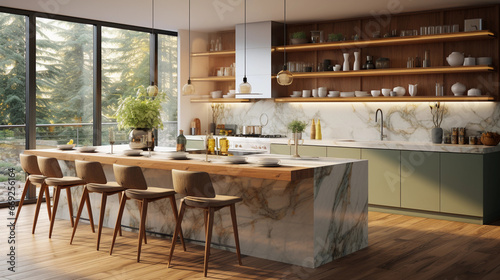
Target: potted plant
[[142, 114], [437, 111], [298, 38], [297, 127]]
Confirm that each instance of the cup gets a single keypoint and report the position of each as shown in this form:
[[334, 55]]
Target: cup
[[296, 93], [446, 29], [469, 61], [375, 93], [455, 28], [438, 29], [423, 30], [431, 30], [386, 91], [315, 92], [306, 93]]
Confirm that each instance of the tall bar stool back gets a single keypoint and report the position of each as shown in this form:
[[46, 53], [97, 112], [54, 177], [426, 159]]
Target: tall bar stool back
[[51, 169], [130, 177], [34, 176], [199, 193]]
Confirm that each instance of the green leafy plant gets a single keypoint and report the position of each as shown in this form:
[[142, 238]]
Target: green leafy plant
[[297, 126], [140, 111], [333, 37], [299, 35]]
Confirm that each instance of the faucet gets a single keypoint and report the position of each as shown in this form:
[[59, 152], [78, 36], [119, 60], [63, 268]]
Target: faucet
[[381, 123]]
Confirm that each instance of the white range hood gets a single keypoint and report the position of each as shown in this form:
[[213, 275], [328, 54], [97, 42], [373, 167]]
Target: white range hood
[[261, 62]]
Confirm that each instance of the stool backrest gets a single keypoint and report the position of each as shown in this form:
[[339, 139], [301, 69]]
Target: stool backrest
[[130, 177], [192, 183], [90, 171], [50, 167], [29, 164]]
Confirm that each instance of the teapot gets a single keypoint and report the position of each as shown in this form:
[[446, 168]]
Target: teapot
[[455, 59], [412, 89], [400, 91], [458, 88]]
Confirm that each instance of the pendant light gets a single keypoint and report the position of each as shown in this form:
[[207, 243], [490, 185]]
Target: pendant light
[[284, 77], [188, 88], [245, 87], [152, 90]]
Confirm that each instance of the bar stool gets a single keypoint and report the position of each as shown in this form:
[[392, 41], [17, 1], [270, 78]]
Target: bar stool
[[199, 193], [132, 179], [93, 174], [30, 166], [51, 169]]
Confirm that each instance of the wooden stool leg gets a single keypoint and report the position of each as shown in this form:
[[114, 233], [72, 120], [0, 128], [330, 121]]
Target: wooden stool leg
[[144, 232], [89, 211], [38, 203], [205, 217], [176, 231], [54, 210], [118, 221], [27, 185], [176, 216], [142, 229], [70, 206], [120, 199], [101, 218], [235, 230], [79, 213], [208, 239], [47, 202]]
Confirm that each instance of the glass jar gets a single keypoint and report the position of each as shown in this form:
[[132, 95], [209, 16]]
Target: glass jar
[[382, 62]]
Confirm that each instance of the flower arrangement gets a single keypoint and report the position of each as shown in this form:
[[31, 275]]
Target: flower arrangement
[[297, 126], [142, 110], [437, 111]]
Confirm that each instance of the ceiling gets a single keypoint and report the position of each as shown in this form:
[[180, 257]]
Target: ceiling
[[210, 15]]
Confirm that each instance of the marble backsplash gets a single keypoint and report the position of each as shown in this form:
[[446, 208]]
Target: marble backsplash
[[403, 121]]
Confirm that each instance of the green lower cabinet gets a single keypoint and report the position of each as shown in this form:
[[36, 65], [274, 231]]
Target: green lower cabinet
[[338, 152], [462, 184], [195, 144], [311, 151], [384, 181], [280, 149], [420, 180]]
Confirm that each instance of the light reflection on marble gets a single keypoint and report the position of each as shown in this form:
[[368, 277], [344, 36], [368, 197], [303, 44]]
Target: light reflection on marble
[[306, 222], [404, 121]]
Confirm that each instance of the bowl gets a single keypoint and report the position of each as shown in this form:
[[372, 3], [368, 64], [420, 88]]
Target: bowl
[[474, 92], [322, 93], [87, 149], [66, 146], [333, 93], [347, 94], [375, 92], [359, 93], [306, 93], [177, 155], [490, 138], [296, 93], [268, 161], [236, 159], [386, 91], [133, 152], [216, 94], [484, 61]]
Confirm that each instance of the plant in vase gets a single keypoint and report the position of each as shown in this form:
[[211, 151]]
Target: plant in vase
[[299, 37], [297, 127], [437, 111], [217, 115], [142, 114]]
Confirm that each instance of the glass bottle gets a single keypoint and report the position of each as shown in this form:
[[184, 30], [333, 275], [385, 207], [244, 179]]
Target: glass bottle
[[181, 142], [427, 60], [211, 144], [224, 146]]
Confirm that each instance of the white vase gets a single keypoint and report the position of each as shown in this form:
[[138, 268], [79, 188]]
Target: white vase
[[345, 67], [357, 62]]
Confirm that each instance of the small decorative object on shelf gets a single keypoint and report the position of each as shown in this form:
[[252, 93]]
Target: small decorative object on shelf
[[345, 67], [357, 61], [437, 110], [490, 138], [298, 38]]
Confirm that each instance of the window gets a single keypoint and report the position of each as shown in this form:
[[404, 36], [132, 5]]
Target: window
[[167, 81]]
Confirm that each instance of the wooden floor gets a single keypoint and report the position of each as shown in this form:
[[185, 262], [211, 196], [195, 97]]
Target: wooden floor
[[400, 247]]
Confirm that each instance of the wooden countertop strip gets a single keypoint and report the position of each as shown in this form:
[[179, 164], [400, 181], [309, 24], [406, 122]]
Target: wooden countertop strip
[[282, 173]]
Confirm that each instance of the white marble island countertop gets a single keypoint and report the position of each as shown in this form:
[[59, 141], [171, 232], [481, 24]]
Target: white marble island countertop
[[398, 145]]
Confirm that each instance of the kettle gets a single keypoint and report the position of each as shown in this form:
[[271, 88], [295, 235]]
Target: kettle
[[455, 59]]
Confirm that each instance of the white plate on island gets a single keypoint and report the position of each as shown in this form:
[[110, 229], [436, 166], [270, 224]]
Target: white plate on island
[[66, 147], [268, 162], [135, 152], [86, 149], [177, 155], [235, 159]]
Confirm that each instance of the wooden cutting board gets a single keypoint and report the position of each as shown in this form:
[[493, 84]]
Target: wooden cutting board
[[197, 125]]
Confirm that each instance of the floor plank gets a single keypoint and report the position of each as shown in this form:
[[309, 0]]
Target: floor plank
[[400, 247]]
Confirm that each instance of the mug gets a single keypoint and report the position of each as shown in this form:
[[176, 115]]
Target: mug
[[337, 67], [469, 61]]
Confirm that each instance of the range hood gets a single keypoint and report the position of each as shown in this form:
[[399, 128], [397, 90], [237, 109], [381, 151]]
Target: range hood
[[261, 61]]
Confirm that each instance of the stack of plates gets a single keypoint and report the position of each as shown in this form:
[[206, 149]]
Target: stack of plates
[[177, 155], [347, 94], [86, 149], [66, 147], [133, 152], [268, 162], [236, 159], [359, 93]]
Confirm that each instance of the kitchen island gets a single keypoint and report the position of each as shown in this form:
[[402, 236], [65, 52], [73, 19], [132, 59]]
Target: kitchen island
[[306, 212]]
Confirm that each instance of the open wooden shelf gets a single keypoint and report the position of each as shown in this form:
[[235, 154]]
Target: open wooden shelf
[[219, 54], [387, 99], [207, 99], [392, 41], [214, 79], [393, 72]]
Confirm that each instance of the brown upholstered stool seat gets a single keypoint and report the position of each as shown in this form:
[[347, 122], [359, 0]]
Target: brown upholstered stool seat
[[37, 179], [68, 180], [150, 193], [108, 187], [217, 201]]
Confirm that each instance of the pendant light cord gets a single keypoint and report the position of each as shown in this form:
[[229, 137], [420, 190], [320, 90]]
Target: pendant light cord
[[284, 37], [189, 39], [245, 41]]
